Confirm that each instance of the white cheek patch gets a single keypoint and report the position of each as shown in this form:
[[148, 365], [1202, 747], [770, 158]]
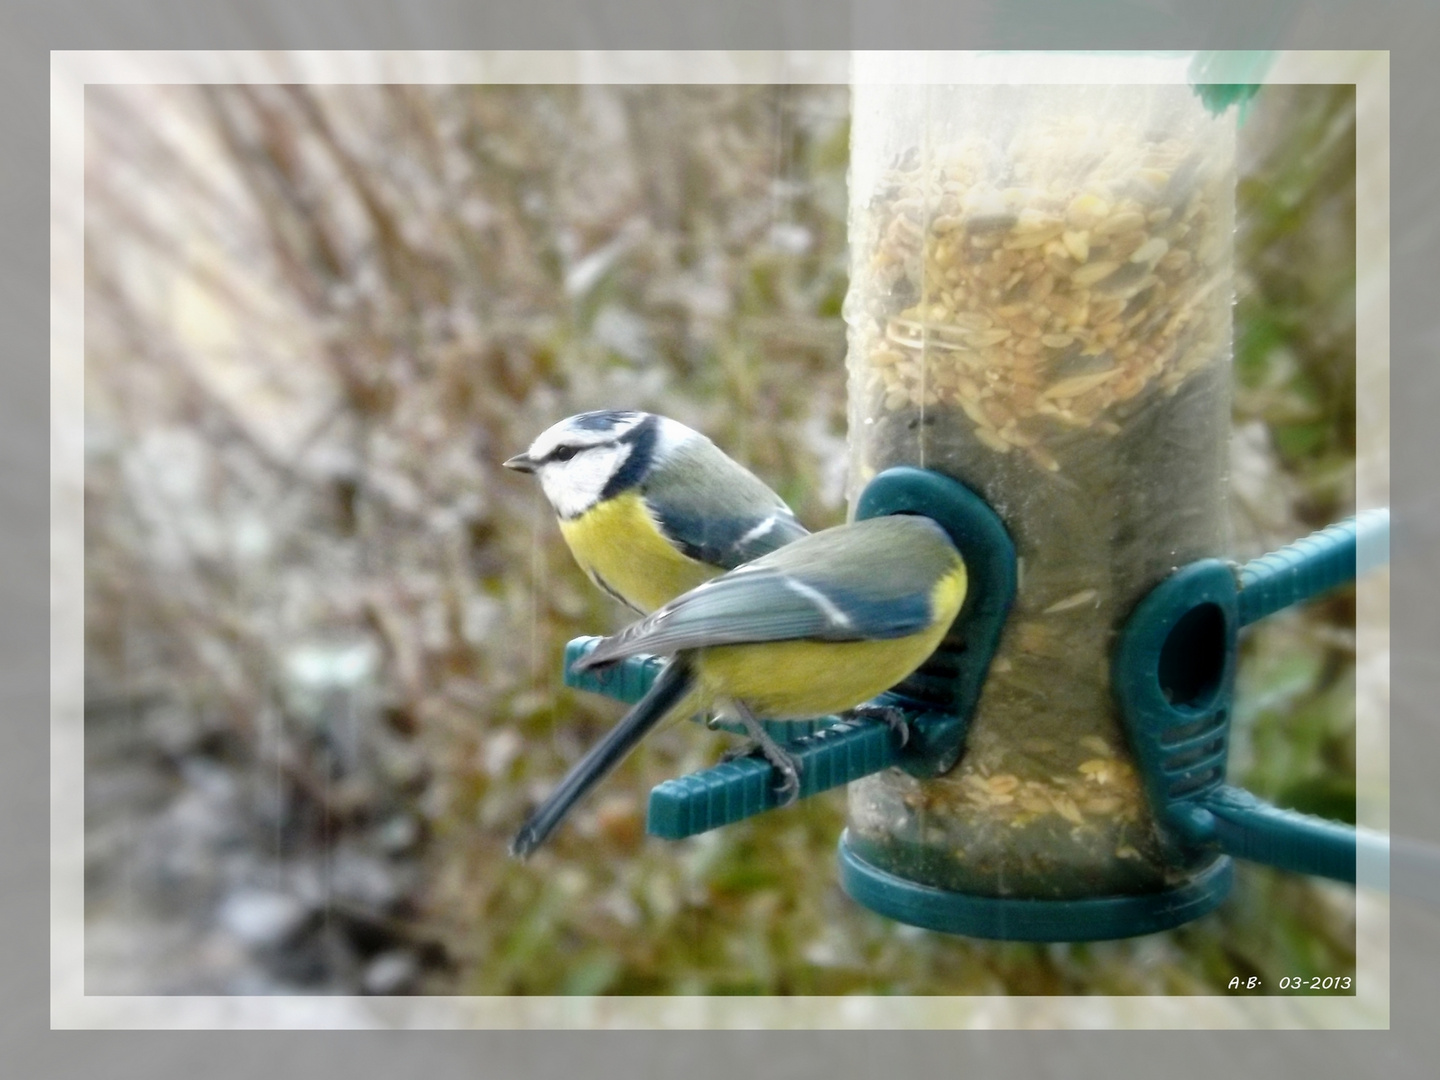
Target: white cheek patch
[[574, 486]]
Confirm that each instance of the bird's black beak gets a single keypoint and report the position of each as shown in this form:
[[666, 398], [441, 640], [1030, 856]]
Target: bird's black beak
[[520, 463]]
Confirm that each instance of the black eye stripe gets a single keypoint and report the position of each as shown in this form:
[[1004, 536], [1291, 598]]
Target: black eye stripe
[[566, 451], [643, 433]]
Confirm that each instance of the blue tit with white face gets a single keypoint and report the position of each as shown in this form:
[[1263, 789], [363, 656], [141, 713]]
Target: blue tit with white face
[[651, 508], [817, 627]]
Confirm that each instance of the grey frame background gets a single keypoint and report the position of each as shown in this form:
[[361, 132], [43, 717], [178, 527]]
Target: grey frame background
[[29, 29]]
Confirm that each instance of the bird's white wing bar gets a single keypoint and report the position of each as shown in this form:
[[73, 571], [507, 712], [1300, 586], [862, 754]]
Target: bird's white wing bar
[[759, 530], [833, 614]]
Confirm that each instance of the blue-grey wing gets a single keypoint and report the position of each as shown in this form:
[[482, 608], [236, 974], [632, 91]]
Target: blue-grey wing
[[727, 542], [716, 511], [765, 604]]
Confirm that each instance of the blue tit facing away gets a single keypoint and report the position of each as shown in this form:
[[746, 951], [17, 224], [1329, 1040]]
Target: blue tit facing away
[[651, 508], [819, 626]]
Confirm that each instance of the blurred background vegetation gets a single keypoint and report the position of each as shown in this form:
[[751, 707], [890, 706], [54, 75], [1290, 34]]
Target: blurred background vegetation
[[324, 626]]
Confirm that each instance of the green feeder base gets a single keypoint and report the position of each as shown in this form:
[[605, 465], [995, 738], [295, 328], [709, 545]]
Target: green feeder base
[[1096, 918]]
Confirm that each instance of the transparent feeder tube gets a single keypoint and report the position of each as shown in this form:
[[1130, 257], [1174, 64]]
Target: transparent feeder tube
[[1040, 307]]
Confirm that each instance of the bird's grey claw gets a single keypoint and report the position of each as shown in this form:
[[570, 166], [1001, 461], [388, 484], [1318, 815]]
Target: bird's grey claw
[[892, 716], [783, 763], [778, 757], [789, 789], [788, 766]]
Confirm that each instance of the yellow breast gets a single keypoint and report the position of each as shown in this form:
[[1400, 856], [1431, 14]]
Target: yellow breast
[[618, 542]]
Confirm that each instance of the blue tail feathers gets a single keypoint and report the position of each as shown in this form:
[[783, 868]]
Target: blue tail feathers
[[669, 688]]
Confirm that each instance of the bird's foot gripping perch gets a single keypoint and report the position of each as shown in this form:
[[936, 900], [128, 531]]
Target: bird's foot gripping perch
[[784, 762], [891, 716]]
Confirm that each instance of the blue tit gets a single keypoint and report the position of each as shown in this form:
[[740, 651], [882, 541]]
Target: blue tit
[[651, 508], [819, 626]]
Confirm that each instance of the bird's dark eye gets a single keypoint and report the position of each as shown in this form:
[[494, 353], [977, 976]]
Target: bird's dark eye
[[565, 453]]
